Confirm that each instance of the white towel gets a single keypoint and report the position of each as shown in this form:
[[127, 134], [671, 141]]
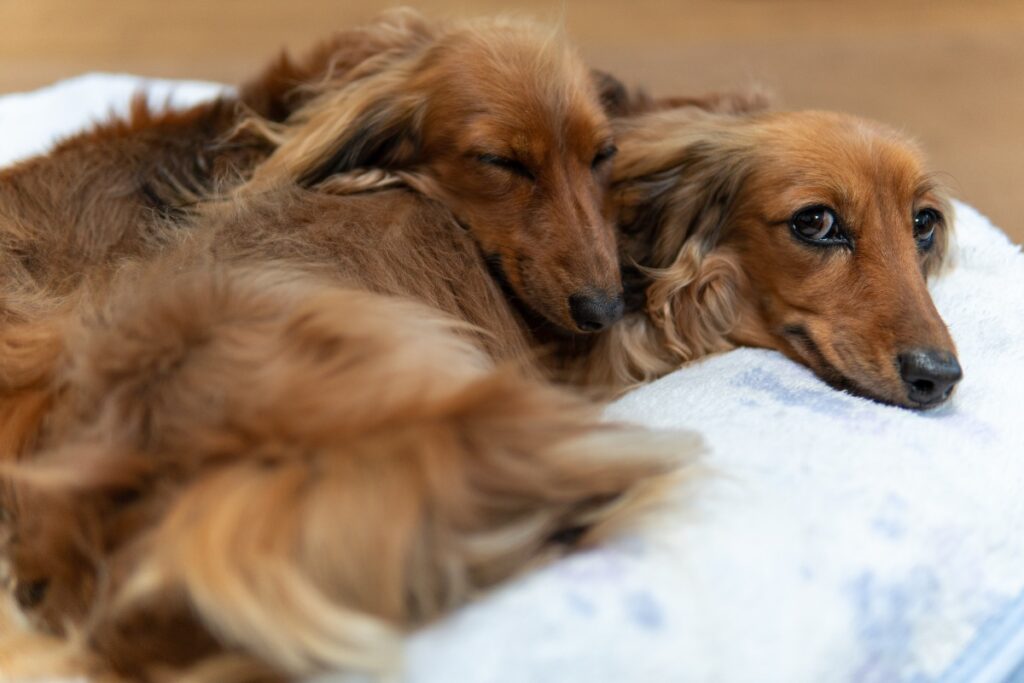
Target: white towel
[[837, 540], [33, 121]]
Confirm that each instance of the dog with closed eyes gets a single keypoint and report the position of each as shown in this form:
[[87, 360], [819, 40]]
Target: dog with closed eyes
[[377, 96], [262, 454]]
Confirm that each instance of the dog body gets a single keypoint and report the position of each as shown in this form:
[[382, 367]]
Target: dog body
[[277, 428]]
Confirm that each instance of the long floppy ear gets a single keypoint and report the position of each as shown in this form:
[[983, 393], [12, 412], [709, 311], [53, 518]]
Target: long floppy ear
[[677, 185], [676, 179], [386, 136], [371, 122]]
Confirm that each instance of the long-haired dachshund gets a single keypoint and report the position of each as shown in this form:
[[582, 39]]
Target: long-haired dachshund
[[393, 94], [109, 193], [256, 458], [811, 233], [508, 133]]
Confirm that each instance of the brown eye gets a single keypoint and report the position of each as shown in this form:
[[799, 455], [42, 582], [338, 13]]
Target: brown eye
[[925, 222], [817, 224], [507, 164], [603, 155]]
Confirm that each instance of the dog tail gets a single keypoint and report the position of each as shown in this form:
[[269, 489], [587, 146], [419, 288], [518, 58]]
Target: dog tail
[[317, 559], [327, 469]]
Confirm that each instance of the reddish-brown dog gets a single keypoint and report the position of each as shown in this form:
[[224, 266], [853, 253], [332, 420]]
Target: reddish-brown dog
[[812, 233], [505, 129], [249, 440]]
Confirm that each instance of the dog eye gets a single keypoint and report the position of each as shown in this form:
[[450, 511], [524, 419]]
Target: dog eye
[[925, 222], [504, 163], [603, 155], [817, 224]]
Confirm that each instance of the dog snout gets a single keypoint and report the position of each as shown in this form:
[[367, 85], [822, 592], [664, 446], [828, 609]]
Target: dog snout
[[592, 311], [929, 375]]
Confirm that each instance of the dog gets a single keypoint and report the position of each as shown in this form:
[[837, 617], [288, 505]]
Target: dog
[[810, 233], [152, 420], [524, 167], [107, 194]]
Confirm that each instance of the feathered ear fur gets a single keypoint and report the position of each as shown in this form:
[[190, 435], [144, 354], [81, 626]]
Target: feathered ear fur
[[675, 190], [286, 84], [618, 101], [371, 122]]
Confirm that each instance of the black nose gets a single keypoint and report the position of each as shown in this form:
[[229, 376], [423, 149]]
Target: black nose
[[929, 374], [593, 311]]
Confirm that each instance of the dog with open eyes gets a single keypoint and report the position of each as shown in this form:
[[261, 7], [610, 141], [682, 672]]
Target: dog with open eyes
[[811, 233]]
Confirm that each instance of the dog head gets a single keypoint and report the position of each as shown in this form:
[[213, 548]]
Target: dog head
[[501, 122], [811, 233]]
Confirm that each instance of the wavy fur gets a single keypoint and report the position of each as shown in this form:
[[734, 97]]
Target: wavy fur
[[704, 199], [283, 427]]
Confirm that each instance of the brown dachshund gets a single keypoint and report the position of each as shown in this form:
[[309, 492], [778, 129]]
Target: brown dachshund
[[811, 233], [358, 462], [505, 127]]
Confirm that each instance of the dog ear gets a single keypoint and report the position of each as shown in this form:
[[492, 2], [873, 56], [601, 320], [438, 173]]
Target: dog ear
[[373, 122], [618, 101], [751, 100], [384, 137], [674, 207], [685, 197]]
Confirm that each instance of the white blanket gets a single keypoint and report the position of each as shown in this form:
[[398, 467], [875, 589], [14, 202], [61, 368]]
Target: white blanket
[[836, 540]]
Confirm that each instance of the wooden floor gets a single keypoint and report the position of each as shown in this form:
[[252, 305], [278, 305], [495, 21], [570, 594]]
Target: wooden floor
[[950, 72]]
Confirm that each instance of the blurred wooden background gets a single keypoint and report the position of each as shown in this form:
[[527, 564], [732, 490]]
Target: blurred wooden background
[[950, 72]]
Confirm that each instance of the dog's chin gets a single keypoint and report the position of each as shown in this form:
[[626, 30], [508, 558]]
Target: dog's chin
[[929, 405], [802, 347], [543, 324], [865, 388]]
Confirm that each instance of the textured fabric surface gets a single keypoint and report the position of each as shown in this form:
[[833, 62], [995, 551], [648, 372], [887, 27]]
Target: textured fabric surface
[[833, 539]]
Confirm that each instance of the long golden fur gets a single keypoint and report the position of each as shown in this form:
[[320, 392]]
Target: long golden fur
[[181, 508], [268, 434]]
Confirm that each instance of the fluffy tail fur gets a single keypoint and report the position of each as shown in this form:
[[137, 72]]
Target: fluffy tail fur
[[279, 470]]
